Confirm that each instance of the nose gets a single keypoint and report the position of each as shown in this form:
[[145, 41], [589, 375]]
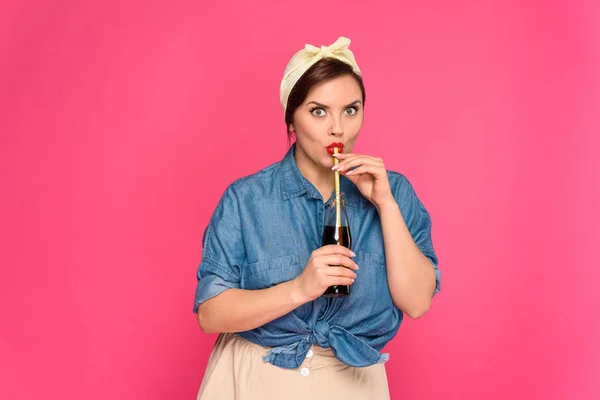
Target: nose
[[336, 129]]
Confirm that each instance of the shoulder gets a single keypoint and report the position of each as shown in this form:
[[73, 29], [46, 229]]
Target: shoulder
[[398, 181], [258, 182], [246, 189], [243, 192], [403, 190]]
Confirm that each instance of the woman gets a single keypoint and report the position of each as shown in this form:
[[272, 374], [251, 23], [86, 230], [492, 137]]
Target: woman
[[264, 271]]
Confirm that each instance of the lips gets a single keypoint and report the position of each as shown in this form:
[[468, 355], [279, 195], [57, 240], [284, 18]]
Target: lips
[[339, 145]]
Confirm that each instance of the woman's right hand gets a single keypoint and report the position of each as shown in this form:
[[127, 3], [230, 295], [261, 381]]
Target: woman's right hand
[[327, 266]]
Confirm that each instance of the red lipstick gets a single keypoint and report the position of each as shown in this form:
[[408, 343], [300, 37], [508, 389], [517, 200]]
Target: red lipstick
[[340, 147]]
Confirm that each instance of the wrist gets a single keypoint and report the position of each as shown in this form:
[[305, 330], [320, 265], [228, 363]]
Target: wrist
[[386, 206], [296, 294]]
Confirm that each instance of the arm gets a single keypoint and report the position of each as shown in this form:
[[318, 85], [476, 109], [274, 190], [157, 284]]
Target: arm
[[223, 305], [411, 278], [237, 310]]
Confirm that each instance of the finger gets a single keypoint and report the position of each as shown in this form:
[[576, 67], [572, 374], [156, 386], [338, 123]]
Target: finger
[[348, 156], [357, 161], [339, 281], [376, 171], [339, 271], [343, 156], [335, 260], [334, 249]]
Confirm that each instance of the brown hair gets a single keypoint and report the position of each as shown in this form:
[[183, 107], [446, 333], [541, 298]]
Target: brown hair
[[322, 70]]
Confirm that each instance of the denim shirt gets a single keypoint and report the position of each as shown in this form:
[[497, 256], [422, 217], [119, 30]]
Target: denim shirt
[[262, 233]]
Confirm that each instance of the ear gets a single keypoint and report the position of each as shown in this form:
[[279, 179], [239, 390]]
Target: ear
[[291, 128]]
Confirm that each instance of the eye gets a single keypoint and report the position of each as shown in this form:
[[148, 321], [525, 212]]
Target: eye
[[317, 112], [351, 110]]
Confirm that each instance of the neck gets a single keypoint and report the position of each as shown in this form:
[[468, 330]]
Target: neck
[[321, 178]]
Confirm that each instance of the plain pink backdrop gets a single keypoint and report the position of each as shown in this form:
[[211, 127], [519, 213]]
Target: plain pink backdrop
[[122, 122]]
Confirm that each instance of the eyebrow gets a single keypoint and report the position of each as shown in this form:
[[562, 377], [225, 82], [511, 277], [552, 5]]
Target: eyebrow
[[327, 107]]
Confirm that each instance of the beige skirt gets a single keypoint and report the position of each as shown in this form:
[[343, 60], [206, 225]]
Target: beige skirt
[[236, 371]]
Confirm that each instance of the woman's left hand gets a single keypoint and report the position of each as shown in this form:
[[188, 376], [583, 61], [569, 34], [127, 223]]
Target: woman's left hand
[[370, 177]]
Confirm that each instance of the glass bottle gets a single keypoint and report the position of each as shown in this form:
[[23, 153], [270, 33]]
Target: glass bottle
[[337, 231]]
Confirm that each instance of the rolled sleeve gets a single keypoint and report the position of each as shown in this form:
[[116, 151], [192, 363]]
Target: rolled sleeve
[[213, 279], [223, 251], [419, 224]]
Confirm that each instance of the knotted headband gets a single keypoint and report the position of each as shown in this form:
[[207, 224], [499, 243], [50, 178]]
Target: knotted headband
[[307, 57]]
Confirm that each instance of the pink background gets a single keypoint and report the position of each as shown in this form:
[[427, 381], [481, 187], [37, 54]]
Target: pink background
[[122, 122]]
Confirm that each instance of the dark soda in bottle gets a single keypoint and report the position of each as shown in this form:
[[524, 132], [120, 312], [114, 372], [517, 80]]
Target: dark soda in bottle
[[337, 231]]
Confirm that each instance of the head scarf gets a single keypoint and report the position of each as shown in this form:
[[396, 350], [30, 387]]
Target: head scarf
[[307, 57]]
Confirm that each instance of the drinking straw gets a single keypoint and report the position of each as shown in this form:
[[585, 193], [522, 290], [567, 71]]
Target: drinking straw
[[337, 191]]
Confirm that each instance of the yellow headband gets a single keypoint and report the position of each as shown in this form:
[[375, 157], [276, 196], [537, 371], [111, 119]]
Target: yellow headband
[[307, 57]]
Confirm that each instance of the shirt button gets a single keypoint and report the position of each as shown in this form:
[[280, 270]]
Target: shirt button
[[305, 371], [309, 354]]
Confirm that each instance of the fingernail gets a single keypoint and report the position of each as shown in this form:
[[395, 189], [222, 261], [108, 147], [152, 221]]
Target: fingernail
[[335, 154], [352, 253], [357, 266]]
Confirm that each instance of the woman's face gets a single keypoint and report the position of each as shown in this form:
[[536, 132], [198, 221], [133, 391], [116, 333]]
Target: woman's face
[[331, 113]]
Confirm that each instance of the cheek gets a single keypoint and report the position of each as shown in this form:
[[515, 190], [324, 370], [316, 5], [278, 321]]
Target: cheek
[[310, 130], [354, 125]]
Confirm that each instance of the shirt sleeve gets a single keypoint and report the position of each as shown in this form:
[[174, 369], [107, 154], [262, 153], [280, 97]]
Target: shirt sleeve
[[223, 251], [418, 221]]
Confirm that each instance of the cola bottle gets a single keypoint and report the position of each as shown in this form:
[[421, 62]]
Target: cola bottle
[[337, 231]]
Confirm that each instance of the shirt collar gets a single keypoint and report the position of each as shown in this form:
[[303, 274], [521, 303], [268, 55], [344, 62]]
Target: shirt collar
[[294, 184]]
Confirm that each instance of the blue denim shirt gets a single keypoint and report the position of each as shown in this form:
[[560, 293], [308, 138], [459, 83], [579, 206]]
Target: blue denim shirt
[[262, 233]]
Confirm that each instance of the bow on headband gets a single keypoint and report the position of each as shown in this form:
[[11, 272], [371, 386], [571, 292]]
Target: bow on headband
[[307, 57], [338, 47]]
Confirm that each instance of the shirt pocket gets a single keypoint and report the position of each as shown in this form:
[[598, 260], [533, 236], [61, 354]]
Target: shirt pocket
[[270, 272], [370, 292]]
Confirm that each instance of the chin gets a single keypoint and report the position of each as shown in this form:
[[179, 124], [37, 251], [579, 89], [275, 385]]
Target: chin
[[326, 161]]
